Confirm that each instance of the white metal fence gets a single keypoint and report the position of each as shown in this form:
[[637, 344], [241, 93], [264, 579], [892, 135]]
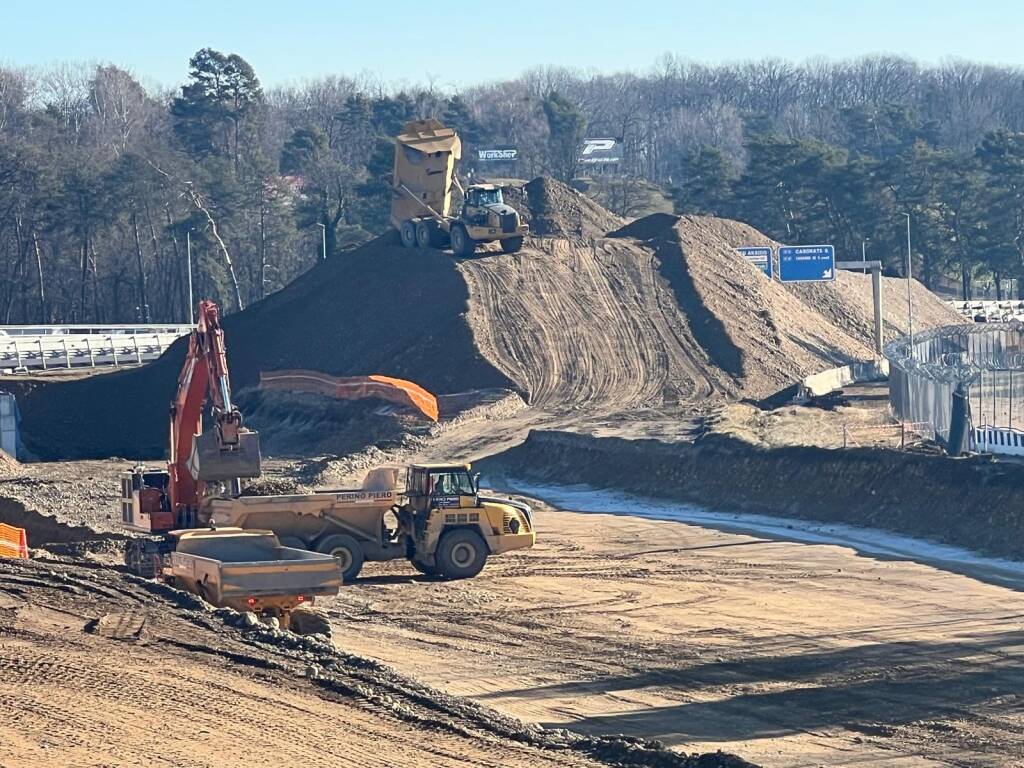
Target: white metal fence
[[70, 346]]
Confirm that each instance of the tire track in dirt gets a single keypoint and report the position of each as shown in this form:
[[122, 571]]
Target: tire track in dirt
[[586, 326], [190, 691]]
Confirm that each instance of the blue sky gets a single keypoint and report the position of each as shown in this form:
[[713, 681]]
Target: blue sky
[[402, 41]]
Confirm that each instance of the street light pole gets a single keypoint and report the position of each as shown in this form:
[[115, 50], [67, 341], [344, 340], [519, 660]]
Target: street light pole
[[323, 236], [910, 298], [191, 299]]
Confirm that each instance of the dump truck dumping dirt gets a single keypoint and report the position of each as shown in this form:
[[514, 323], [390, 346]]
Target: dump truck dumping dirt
[[664, 313]]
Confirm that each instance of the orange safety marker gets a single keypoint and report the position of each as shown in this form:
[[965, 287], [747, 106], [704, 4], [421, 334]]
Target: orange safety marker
[[13, 542]]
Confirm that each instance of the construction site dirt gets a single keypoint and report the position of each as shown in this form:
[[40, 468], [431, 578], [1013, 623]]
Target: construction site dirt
[[644, 357], [788, 654]]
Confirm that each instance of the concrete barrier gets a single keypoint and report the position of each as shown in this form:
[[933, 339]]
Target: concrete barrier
[[820, 384]]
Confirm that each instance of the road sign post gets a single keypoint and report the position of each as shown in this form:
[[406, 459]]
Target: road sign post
[[807, 263], [759, 256]]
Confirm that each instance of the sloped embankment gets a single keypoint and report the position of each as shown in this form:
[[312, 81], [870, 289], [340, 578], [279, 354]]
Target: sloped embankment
[[966, 503]]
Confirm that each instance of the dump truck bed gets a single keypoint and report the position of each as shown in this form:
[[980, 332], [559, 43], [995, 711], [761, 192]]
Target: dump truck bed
[[238, 569], [303, 515]]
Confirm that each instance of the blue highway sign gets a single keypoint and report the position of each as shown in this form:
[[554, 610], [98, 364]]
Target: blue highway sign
[[759, 256], [807, 263]]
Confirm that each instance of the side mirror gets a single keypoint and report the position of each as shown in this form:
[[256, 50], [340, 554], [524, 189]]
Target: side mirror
[[476, 482], [136, 481]]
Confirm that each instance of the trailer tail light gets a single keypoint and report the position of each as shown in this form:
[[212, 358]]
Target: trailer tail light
[[301, 598], [251, 601]]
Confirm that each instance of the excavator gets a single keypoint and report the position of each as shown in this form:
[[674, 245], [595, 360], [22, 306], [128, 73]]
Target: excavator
[[444, 525], [202, 465]]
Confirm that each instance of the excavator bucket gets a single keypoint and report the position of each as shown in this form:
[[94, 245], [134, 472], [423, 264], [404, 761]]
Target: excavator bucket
[[212, 462]]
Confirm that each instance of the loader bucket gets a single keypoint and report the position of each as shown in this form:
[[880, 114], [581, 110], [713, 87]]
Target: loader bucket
[[210, 462]]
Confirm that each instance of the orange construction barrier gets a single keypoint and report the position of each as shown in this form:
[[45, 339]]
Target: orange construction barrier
[[13, 542], [397, 391]]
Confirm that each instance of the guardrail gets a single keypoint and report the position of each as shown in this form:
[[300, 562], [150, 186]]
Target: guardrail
[[84, 329], [125, 345]]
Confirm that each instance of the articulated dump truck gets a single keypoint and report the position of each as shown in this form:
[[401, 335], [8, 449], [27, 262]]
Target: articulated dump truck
[[421, 208], [440, 521]]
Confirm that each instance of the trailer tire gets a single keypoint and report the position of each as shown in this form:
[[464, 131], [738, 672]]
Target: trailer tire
[[511, 244], [408, 233], [462, 243], [425, 233], [347, 551], [461, 554]]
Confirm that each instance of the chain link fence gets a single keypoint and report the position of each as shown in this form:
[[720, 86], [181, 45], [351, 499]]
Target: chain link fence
[[987, 358]]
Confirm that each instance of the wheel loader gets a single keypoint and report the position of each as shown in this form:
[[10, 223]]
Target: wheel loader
[[421, 207]]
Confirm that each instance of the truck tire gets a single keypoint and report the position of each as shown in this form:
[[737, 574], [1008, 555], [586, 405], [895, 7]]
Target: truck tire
[[347, 551], [511, 244], [461, 554], [462, 243], [408, 233], [425, 237]]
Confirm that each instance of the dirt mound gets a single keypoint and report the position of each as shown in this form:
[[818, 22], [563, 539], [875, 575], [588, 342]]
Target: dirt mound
[[662, 313], [304, 423], [763, 333], [379, 308], [552, 208], [588, 326], [846, 302], [8, 464]]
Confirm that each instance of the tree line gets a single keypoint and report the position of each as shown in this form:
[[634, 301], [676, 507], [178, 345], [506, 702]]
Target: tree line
[[106, 187]]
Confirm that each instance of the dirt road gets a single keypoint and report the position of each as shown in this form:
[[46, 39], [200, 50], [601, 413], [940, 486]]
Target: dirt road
[[96, 669], [788, 654]]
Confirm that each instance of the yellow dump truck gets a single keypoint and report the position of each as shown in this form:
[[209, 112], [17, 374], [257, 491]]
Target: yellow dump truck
[[440, 522], [422, 185], [249, 570]]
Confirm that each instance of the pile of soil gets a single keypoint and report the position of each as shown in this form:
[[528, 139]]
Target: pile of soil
[[306, 424], [379, 308], [846, 301], [761, 332], [663, 312], [8, 464], [554, 209]]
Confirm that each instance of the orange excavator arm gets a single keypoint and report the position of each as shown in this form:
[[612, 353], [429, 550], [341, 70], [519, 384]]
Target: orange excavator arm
[[204, 377]]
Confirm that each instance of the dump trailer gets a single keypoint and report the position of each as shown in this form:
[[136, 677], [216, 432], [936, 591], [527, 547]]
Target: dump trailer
[[421, 210], [249, 571], [440, 522]]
